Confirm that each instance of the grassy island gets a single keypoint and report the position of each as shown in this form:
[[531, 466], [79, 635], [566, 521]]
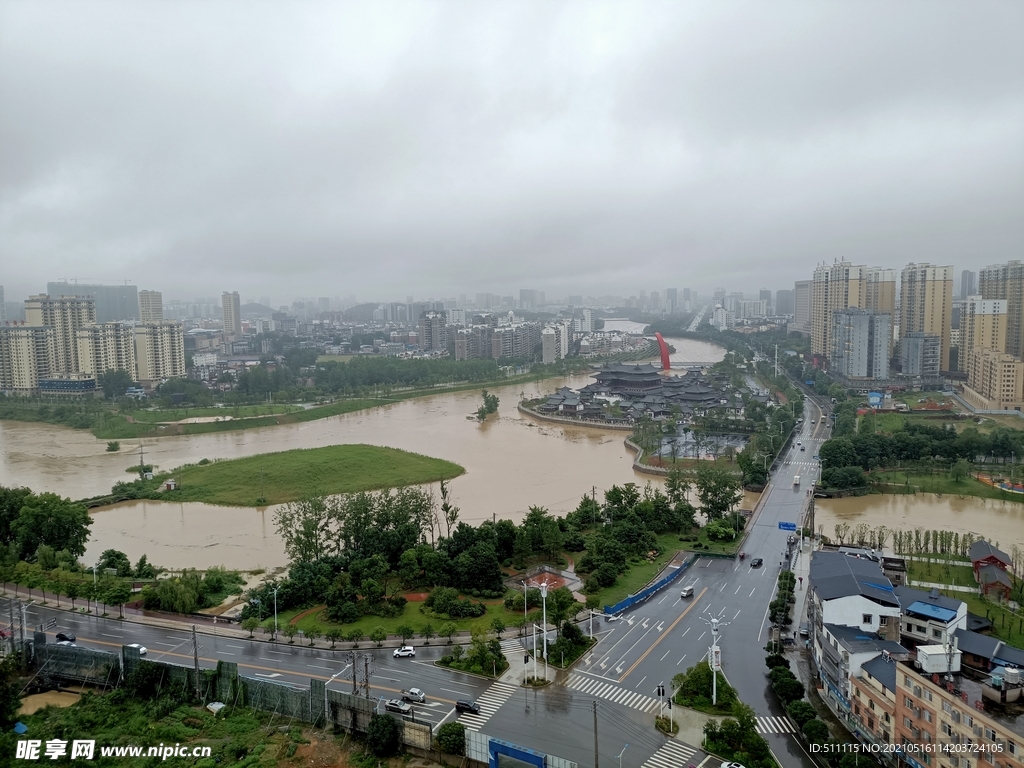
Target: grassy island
[[277, 478]]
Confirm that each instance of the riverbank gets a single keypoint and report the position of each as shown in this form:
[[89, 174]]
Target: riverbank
[[278, 478], [982, 487]]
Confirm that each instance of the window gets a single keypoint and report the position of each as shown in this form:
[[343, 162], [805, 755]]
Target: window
[[990, 734], [866, 618], [945, 706], [885, 716], [1011, 747], [922, 630], [954, 761], [946, 730], [927, 695], [856, 709], [906, 681], [907, 722], [871, 724], [987, 757], [937, 633], [927, 715], [883, 621], [871, 706], [908, 702]]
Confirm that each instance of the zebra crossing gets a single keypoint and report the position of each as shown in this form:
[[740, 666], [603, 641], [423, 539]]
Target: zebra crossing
[[599, 688], [672, 754], [489, 703], [775, 725]]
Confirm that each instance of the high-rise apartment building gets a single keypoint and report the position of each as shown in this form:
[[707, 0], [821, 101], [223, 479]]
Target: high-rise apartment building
[[159, 352], [835, 286], [995, 381], [25, 356], [784, 302], [860, 344], [926, 304], [802, 290], [3, 307], [113, 302], [433, 331], [920, 355], [672, 299], [151, 306], [1006, 281], [982, 326], [232, 306], [106, 347], [967, 284], [65, 315]]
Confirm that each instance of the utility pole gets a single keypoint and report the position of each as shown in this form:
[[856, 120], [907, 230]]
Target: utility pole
[[10, 610], [366, 675], [352, 658], [24, 656], [142, 461], [595, 732], [195, 662]]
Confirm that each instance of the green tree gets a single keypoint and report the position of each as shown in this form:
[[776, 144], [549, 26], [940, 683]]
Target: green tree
[[250, 625], [451, 737], [314, 632], [10, 692], [290, 631], [382, 735], [119, 593], [354, 636], [718, 490], [427, 632], [143, 570], [333, 635], [305, 527], [112, 558], [816, 731], [448, 629], [497, 625], [960, 470], [114, 383], [73, 589], [800, 712], [379, 635], [405, 632], [47, 518]]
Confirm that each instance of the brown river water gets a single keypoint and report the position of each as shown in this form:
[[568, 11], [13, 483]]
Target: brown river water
[[512, 462]]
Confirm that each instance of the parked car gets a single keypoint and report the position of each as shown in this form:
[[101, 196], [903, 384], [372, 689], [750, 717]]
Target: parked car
[[397, 705], [405, 650], [414, 694], [757, 562], [464, 705], [686, 592], [140, 648], [62, 637], [728, 764], [805, 630]]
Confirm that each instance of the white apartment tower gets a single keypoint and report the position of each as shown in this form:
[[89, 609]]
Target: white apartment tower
[[65, 315], [232, 313], [25, 355], [151, 306], [926, 304], [159, 352], [106, 347]]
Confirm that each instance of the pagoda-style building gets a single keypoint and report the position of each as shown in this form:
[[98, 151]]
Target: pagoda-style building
[[629, 378]]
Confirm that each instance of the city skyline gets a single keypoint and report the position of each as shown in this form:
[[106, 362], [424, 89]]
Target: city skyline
[[579, 149]]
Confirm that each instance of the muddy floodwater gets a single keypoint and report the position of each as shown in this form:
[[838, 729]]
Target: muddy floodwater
[[33, 703], [995, 520], [511, 462]]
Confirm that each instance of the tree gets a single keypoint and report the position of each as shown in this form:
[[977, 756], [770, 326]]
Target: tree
[[379, 635], [143, 570], [314, 632], [114, 383], [960, 470], [816, 731], [305, 527], [73, 589], [451, 737], [290, 631], [448, 510], [405, 632], [10, 692], [448, 629], [47, 518], [250, 625], [800, 712], [718, 490], [112, 558], [427, 632], [497, 625], [333, 635], [382, 735], [354, 636], [119, 593]]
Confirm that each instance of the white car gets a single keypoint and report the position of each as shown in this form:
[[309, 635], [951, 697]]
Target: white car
[[140, 648], [728, 764], [405, 650]]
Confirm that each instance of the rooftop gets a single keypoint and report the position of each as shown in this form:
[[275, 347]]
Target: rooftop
[[833, 575], [982, 549], [883, 670], [856, 640]]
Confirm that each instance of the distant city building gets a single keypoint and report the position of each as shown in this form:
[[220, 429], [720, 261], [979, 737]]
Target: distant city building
[[232, 307], [151, 306], [802, 290], [766, 296], [433, 332], [106, 347], [967, 284], [672, 300], [113, 302], [531, 299], [3, 307], [983, 325], [784, 302], [926, 304], [1006, 281], [159, 352], [65, 315], [920, 355], [860, 344], [842, 286], [995, 381]]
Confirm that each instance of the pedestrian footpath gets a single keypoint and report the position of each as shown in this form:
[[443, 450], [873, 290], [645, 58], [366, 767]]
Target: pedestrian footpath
[[602, 690], [489, 703], [672, 754], [775, 725]]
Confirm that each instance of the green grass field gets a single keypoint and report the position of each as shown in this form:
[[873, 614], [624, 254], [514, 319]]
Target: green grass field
[[943, 484], [290, 475], [959, 575]]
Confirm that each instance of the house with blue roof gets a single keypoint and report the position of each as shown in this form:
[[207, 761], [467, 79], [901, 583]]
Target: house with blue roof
[[929, 618]]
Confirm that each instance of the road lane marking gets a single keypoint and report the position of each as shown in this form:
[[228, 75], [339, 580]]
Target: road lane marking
[[737, 614], [702, 635], [662, 636], [279, 653], [752, 592], [315, 666], [684, 633], [240, 647], [724, 584], [225, 653], [681, 660], [666, 654], [641, 681]]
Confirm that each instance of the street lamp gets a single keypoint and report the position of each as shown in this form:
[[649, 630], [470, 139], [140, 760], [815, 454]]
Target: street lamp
[[619, 756], [544, 599], [275, 611], [526, 595]]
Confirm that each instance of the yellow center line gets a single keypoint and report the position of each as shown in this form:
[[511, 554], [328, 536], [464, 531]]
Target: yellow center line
[[664, 635], [265, 669]]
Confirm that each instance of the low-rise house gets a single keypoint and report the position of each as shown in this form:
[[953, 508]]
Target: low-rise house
[[852, 592], [929, 618], [994, 582], [983, 553], [840, 652], [985, 654]]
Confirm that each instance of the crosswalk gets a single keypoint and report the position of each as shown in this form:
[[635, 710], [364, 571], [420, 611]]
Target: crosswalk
[[602, 690], [512, 645], [672, 754], [489, 703], [803, 464], [775, 725]]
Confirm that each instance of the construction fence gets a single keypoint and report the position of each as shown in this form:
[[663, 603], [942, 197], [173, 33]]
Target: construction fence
[[650, 589]]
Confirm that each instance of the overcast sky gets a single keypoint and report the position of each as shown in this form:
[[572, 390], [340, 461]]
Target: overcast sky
[[387, 149]]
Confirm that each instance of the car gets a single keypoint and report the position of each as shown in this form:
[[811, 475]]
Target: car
[[686, 592], [802, 448], [405, 650], [757, 562], [62, 637], [805, 630], [397, 705], [465, 705], [816, 457], [140, 648], [65, 643], [728, 764], [798, 442]]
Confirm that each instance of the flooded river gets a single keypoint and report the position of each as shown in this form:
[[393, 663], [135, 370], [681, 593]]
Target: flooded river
[[992, 519], [511, 461]]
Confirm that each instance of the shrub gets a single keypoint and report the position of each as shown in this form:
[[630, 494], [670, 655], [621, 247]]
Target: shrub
[[382, 735], [451, 737], [816, 731], [776, 660], [800, 712]]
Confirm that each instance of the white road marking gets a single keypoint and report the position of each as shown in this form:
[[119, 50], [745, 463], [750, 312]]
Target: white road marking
[[702, 635], [681, 660], [737, 614], [225, 653], [315, 666], [240, 647], [738, 588], [684, 633], [666, 654]]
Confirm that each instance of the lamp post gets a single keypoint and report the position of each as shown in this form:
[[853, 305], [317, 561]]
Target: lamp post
[[526, 595], [275, 611], [619, 756], [544, 599]]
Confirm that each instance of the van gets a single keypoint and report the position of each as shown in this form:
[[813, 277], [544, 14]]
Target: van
[[686, 592], [796, 481]]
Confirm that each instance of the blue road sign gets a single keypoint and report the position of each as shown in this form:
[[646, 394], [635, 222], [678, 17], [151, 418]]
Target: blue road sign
[[787, 526]]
